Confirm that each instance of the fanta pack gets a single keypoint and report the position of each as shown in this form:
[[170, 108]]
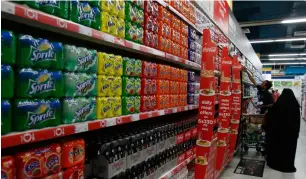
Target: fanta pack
[[110, 64], [73, 153], [121, 27], [40, 162], [83, 13], [148, 103], [78, 110], [132, 67], [162, 101], [8, 47], [130, 31], [109, 86], [128, 105], [108, 107], [80, 59], [8, 167], [131, 86], [39, 83], [149, 70], [6, 116], [80, 84], [74, 172], [39, 53], [7, 82], [35, 113]]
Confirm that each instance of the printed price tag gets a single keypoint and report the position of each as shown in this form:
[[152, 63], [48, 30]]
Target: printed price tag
[[161, 112], [135, 117], [174, 110], [111, 122], [108, 38], [80, 127], [136, 46], [85, 30], [7, 7]]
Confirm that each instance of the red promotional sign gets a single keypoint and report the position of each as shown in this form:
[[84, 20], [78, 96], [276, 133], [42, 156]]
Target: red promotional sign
[[206, 106], [221, 14], [224, 107]]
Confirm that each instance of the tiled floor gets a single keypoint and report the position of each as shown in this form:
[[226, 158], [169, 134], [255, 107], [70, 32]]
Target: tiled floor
[[300, 163]]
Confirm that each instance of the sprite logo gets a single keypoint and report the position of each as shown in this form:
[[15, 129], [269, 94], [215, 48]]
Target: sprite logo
[[86, 13], [84, 87], [83, 112], [86, 61], [43, 113], [49, 3], [44, 52], [42, 84]]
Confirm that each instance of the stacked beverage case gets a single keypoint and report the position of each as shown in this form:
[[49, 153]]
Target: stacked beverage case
[[143, 22], [53, 83]]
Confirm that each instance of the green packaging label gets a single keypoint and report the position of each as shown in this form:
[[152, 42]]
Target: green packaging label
[[39, 53], [6, 117], [138, 68], [128, 86], [80, 84], [39, 83], [80, 59], [8, 47], [128, 66], [128, 105], [35, 114], [137, 86], [78, 110], [7, 82]]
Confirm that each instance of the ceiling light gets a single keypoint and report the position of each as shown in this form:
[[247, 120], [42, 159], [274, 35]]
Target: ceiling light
[[290, 40], [289, 21], [261, 41], [281, 55], [276, 59], [296, 63]]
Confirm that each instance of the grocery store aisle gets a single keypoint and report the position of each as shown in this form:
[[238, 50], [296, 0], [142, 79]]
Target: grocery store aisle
[[300, 163]]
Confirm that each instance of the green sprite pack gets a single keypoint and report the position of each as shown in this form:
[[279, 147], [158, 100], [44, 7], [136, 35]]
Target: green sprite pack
[[128, 105], [36, 113], [6, 117], [33, 4], [78, 110], [83, 13], [139, 35], [80, 84], [128, 66], [39, 53], [56, 7], [137, 104], [8, 47], [39, 83], [96, 3], [7, 82], [131, 12], [80, 59], [96, 21], [137, 86], [130, 31]]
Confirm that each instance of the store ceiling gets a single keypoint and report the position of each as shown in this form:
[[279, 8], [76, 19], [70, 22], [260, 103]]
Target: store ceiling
[[249, 12]]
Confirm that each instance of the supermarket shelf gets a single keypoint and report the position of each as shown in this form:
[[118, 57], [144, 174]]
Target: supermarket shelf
[[163, 3], [19, 138], [177, 168], [25, 15]]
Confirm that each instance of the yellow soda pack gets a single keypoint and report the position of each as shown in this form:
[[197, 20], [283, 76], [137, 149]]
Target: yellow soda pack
[[117, 86], [104, 86], [118, 68], [104, 107], [116, 107], [105, 64]]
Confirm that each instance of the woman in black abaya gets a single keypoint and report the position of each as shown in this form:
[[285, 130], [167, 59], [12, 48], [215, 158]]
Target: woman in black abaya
[[283, 127]]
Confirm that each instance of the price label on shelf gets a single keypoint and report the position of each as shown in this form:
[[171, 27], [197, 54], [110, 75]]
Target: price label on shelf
[[80, 127], [174, 110], [161, 112], [7, 7], [85, 30], [135, 117]]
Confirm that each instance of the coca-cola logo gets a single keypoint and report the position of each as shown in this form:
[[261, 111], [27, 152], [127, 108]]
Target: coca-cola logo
[[210, 49], [226, 62]]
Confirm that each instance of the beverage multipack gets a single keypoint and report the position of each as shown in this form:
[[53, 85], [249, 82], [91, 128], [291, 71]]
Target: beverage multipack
[[80, 84], [8, 167], [109, 64], [131, 86], [78, 110], [131, 104], [108, 107], [6, 116], [109, 86], [36, 113], [79, 59], [7, 82], [39, 53], [39, 83], [8, 47]]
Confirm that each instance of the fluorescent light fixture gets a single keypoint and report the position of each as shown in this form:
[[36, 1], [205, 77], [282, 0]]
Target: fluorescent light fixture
[[261, 41], [277, 59], [290, 39], [283, 55], [289, 21], [294, 63]]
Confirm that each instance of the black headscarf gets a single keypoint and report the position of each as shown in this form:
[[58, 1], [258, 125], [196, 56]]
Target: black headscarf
[[285, 114]]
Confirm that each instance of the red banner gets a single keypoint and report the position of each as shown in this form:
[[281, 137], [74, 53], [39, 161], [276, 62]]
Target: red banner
[[221, 14], [206, 106], [224, 107]]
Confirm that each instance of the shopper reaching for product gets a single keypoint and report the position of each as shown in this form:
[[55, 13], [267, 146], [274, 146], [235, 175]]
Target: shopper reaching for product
[[283, 127], [264, 95]]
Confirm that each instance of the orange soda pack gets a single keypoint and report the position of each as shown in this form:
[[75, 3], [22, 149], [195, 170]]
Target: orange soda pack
[[174, 100], [73, 153], [162, 101], [162, 86], [182, 99], [7, 167], [183, 87], [75, 172], [40, 162]]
